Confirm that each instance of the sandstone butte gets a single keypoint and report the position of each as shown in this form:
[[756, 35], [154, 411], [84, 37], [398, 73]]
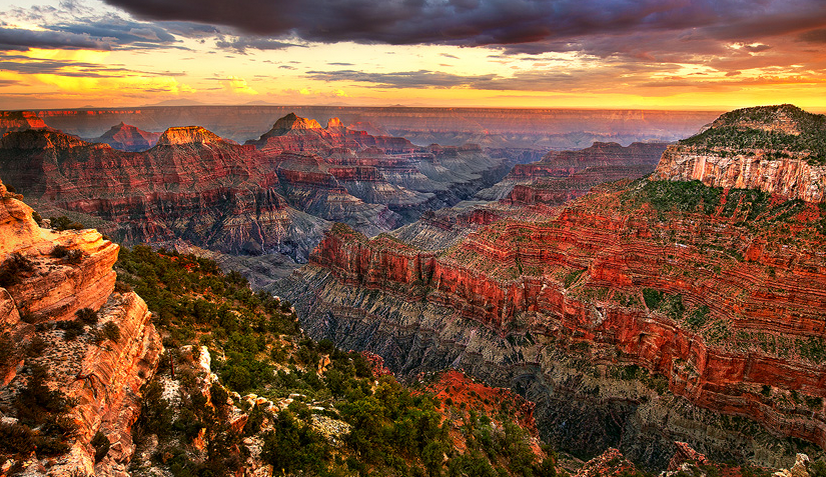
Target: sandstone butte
[[194, 186], [125, 137], [717, 294], [103, 380]]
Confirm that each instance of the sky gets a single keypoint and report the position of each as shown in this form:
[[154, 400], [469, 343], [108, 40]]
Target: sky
[[638, 54]]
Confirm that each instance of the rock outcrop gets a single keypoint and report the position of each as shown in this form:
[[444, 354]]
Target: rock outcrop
[[648, 312], [128, 138], [56, 274], [293, 133], [192, 186], [776, 149], [19, 121]]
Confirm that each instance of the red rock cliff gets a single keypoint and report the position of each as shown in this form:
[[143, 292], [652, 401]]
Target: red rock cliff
[[101, 378], [776, 149], [730, 312]]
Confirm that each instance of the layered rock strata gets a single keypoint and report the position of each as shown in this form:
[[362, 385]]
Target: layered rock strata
[[125, 137], [194, 186], [564, 175], [19, 121], [102, 379], [647, 312], [776, 149]]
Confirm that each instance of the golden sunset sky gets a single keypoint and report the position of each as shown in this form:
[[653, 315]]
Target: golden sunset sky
[[657, 54]]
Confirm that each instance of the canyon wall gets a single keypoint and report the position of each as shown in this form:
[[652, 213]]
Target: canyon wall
[[776, 149], [790, 176], [645, 312], [48, 277], [557, 308], [564, 175], [273, 196]]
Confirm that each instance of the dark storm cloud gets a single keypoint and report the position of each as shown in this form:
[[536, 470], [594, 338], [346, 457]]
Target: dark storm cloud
[[406, 79], [21, 40], [491, 22], [814, 36], [120, 31]]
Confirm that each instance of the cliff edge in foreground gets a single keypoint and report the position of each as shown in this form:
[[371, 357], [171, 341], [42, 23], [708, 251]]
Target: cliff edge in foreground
[[74, 351]]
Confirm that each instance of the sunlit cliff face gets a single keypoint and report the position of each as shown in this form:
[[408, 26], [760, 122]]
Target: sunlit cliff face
[[553, 53]]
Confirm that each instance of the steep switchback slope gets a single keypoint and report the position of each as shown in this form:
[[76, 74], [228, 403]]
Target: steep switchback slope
[[645, 312], [74, 350]]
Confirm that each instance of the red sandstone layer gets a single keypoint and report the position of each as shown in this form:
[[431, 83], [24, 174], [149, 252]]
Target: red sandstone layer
[[745, 335]]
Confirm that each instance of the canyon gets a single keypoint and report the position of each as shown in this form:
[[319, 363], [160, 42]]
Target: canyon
[[564, 175], [646, 312], [273, 196], [677, 307]]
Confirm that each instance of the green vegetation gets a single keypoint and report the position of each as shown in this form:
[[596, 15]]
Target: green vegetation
[[256, 346], [753, 209], [42, 422], [13, 269], [70, 256], [64, 223], [738, 130], [688, 196], [572, 277]]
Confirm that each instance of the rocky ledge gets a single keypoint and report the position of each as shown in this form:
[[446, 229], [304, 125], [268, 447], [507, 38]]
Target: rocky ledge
[[58, 294]]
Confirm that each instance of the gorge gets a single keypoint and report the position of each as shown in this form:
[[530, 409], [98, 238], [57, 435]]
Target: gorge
[[676, 309]]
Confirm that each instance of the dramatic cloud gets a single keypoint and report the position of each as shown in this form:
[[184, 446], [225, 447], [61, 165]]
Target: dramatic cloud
[[490, 22], [408, 79], [65, 29], [69, 68], [21, 40]]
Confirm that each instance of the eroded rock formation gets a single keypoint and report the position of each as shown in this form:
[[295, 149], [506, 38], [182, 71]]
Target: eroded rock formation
[[19, 121], [776, 149], [128, 138], [54, 275], [646, 312], [194, 186], [565, 175]]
